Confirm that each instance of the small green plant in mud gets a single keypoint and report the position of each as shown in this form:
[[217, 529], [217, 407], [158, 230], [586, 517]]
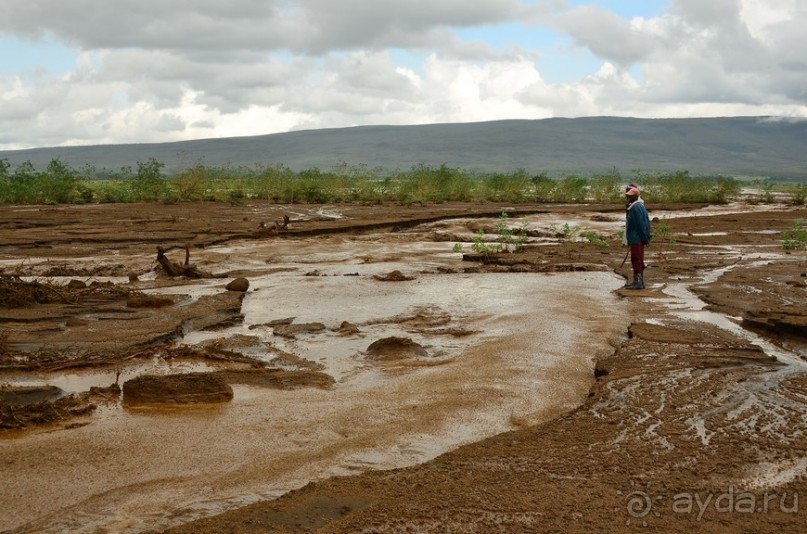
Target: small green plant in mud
[[508, 236], [663, 238], [480, 246], [767, 194], [504, 231], [521, 236], [457, 248], [796, 238], [568, 233], [595, 239], [663, 233]]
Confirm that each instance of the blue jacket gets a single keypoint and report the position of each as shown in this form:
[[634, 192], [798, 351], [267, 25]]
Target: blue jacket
[[637, 224]]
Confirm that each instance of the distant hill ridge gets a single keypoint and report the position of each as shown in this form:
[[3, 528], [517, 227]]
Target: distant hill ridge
[[747, 146]]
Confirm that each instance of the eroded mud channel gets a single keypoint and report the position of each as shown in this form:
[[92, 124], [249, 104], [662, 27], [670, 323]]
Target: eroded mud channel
[[374, 347]]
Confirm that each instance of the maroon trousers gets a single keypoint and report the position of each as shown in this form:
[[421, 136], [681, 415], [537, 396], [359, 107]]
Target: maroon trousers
[[637, 258]]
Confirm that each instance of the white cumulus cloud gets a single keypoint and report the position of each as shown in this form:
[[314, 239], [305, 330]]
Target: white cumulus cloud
[[151, 70]]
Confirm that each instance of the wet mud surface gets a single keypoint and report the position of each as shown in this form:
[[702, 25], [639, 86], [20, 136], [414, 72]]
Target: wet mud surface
[[509, 392]]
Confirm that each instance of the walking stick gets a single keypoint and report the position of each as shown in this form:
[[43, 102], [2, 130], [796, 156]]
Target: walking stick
[[626, 258]]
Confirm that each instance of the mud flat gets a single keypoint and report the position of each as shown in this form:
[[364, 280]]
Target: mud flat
[[530, 393]]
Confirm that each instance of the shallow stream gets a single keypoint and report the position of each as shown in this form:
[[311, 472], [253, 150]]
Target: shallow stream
[[505, 350]]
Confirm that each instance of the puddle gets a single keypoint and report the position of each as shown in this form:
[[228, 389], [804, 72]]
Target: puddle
[[705, 234]]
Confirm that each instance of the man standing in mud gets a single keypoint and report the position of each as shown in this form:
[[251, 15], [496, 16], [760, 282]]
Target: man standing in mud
[[637, 234]]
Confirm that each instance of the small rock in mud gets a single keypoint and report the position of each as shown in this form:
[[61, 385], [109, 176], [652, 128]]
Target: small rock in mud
[[347, 328], [604, 218], [189, 388], [276, 322], [395, 348], [239, 284], [452, 331], [291, 330], [238, 342], [76, 284], [394, 276], [600, 370], [291, 362]]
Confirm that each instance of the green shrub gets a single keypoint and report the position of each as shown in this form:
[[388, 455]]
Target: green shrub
[[798, 195], [571, 189], [725, 190], [111, 191], [59, 183], [543, 188], [680, 186], [796, 238], [149, 184], [191, 184], [424, 183], [606, 188], [663, 233], [513, 187]]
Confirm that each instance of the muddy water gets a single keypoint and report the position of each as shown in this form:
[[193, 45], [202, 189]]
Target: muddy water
[[526, 356]]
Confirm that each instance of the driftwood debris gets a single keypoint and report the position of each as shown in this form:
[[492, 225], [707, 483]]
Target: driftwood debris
[[174, 269]]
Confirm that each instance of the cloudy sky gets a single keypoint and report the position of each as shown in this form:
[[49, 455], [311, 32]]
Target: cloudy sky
[[83, 72]]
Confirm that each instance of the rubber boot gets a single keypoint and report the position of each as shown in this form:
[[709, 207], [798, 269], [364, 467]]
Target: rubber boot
[[638, 282]]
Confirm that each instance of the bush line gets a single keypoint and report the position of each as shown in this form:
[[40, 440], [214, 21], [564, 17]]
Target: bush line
[[61, 184]]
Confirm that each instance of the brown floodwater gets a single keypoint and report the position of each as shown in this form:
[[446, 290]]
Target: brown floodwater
[[524, 353]]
